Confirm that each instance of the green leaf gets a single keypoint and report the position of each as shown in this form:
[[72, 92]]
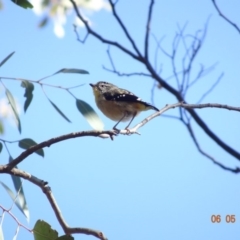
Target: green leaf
[[1, 147], [42, 231], [14, 108], [90, 115], [29, 87], [72, 70], [59, 111], [23, 3], [43, 22], [27, 143], [67, 70], [18, 199], [1, 128], [6, 58]]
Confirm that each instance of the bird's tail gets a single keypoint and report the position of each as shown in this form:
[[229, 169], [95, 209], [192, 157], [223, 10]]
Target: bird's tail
[[149, 106]]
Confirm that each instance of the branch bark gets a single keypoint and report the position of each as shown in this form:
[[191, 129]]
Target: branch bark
[[224, 17]]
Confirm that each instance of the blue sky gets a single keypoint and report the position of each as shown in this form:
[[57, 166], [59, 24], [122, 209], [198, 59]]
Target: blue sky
[[153, 186]]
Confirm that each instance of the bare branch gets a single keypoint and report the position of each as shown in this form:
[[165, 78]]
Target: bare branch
[[210, 105], [195, 116], [211, 88], [148, 28], [224, 17], [234, 170], [99, 37], [171, 106], [202, 72], [163, 83], [78, 37], [126, 74], [15, 219], [124, 29], [113, 70], [158, 42], [47, 191], [48, 143], [191, 54]]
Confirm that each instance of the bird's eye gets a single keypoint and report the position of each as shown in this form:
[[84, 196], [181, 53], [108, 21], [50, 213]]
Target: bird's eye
[[102, 86]]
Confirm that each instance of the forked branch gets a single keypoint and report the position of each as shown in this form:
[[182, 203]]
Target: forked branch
[[145, 61]]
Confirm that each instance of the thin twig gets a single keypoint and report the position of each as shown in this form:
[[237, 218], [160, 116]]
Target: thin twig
[[113, 70], [124, 29], [99, 37], [150, 9], [126, 74], [224, 17], [202, 72], [211, 88], [41, 83], [171, 106], [9, 210], [234, 170]]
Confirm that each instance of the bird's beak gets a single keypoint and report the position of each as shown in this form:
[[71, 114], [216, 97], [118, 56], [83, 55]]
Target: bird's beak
[[92, 85]]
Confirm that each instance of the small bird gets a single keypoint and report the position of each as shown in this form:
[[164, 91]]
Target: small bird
[[118, 104]]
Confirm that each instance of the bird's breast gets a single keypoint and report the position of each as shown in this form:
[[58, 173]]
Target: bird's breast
[[116, 110]]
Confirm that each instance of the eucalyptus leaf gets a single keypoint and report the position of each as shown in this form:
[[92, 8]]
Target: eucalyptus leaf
[[14, 108], [6, 58], [23, 3], [43, 22], [1, 147], [59, 111], [1, 128], [19, 200], [87, 111], [27, 143], [72, 70], [29, 87]]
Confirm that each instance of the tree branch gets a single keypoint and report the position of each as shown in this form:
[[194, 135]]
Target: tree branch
[[163, 83], [190, 130], [113, 70], [171, 106], [99, 37], [47, 191], [148, 28], [224, 17], [111, 133], [48, 143], [124, 29]]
